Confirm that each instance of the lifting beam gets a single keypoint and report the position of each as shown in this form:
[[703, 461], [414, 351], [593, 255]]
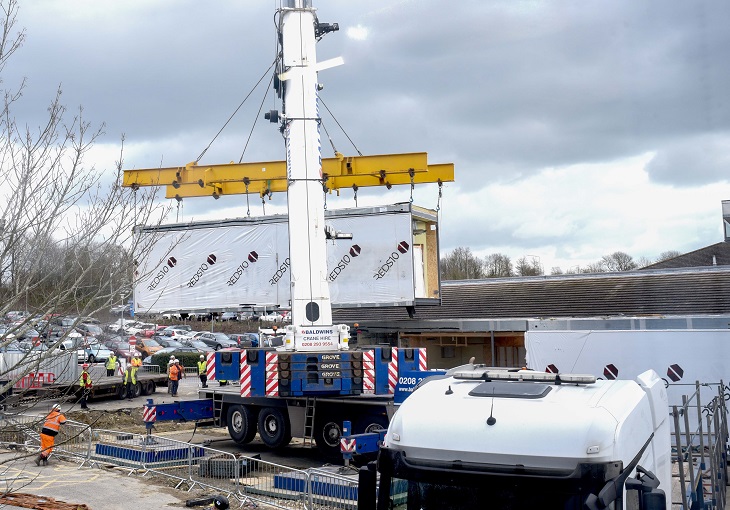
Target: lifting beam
[[264, 178]]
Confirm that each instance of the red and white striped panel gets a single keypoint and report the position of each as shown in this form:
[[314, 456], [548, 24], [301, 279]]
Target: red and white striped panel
[[393, 370], [422, 359], [368, 366], [149, 414], [210, 366], [245, 375], [272, 374]]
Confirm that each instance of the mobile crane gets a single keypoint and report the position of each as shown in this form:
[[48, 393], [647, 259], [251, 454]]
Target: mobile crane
[[308, 386]]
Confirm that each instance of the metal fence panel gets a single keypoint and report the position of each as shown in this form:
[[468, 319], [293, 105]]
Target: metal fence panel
[[245, 477]]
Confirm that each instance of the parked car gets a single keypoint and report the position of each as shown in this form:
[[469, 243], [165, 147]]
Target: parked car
[[139, 327], [119, 325], [272, 317], [150, 360], [148, 346], [94, 352], [124, 351], [244, 340], [199, 345], [90, 329], [16, 315], [217, 340], [121, 309], [228, 316], [169, 342]]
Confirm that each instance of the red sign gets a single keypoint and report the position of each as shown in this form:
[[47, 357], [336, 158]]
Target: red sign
[[132, 342]]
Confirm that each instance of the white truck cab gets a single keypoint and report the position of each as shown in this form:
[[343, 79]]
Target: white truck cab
[[522, 439]]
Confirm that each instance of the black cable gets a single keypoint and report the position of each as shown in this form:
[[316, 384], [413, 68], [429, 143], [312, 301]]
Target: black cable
[[340, 126], [235, 112], [256, 118]]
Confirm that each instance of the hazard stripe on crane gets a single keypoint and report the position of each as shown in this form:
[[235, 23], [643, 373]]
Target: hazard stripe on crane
[[393, 370], [245, 375], [368, 365], [210, 366], [272, 374]]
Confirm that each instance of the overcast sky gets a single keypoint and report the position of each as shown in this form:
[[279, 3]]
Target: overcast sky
[[576, 128]]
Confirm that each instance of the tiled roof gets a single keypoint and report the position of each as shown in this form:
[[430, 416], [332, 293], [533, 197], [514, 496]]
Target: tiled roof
[[713, 255], [687, 291]]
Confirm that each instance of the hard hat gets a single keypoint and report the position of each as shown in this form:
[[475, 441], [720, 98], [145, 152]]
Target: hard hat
[[177, 361], [202, 357], [220, 503], [85, 365], [171, 361], [56, 407]]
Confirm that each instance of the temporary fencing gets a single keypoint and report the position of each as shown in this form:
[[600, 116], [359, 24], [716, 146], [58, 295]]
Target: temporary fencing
[[189, 465], [700, 444]]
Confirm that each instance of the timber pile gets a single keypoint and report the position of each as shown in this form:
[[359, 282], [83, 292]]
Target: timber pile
[[40, 503]]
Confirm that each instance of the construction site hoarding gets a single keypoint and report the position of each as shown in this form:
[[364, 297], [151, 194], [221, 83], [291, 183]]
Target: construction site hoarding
[[390, 260], [680, 357]]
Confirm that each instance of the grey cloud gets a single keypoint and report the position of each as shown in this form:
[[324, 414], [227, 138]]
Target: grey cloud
[[691, 162]]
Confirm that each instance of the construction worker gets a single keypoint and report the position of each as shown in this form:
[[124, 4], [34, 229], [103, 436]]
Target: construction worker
[[136, 363], [85, 384], [169, 366], [50, 429], [111, 365], [203, 372], [176, 372], [130, 380]]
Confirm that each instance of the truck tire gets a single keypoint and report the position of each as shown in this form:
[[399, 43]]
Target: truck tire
[[148, 388], [370, 423], [241, 422], [121, 392], [327, 435], [274, 428], [137, 389]]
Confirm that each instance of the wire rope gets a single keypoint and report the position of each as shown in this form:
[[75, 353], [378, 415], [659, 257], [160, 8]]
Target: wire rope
[[235, 111]]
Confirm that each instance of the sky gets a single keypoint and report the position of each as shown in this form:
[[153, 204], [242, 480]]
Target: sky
[[577, 129]]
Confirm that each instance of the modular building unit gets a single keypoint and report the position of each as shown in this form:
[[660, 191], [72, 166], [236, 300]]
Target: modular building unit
[[391, 260]]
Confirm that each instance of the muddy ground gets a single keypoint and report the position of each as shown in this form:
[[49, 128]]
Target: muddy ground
[[125, 420]]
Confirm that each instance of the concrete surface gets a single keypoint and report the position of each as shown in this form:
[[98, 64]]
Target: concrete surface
[[98, 488], [101, 489]]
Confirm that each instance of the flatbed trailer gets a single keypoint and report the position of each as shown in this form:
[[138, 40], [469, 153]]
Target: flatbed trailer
[[103, 387]]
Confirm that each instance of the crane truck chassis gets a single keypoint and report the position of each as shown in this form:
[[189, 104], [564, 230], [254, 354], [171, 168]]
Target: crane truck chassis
[[282, 394]]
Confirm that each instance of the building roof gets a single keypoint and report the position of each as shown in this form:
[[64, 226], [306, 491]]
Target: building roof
[[709, 256], [647, 293]]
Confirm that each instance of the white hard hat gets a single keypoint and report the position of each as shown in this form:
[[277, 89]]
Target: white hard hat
[[56, 407], [202, 357], [171, 361]]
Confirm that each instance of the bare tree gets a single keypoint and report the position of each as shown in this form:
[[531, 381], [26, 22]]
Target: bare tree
[[498, 266], [666, 255], [619, 261], [461, 264], [528, 267], [66, 227], [595, 267]]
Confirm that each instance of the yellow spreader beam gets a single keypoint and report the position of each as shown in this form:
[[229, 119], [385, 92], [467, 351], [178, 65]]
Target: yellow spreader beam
[[270, 177]]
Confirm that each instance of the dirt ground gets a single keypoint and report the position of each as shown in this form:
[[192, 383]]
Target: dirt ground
[[125, 420]]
